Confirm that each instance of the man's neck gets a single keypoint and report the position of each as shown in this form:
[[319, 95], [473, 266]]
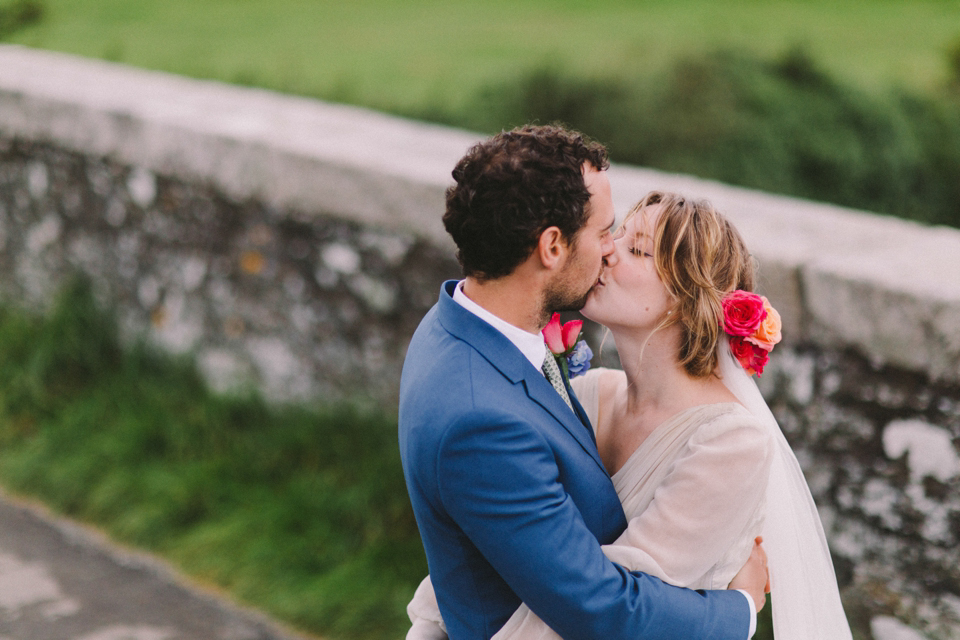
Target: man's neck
[[509, 298]]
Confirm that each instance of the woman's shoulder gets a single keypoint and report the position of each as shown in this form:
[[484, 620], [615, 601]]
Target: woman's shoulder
[[734, 423]]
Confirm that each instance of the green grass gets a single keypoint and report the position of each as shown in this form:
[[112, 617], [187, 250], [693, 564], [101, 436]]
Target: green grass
[[299, 511], [401, 56]]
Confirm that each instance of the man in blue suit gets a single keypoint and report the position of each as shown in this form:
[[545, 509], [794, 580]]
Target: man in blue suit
[[510, 495]]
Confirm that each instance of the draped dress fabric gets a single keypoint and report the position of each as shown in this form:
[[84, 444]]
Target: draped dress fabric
[[694, 495]]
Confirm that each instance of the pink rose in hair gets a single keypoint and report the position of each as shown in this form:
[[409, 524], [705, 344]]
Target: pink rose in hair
[[751, 357], [760, 359], [742, 313], [742, 351]]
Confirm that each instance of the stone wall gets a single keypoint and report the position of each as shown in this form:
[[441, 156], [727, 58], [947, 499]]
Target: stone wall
[[294, 245], [301, 305], [878, 446]]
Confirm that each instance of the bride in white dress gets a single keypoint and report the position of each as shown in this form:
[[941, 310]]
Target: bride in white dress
[[695, 455]]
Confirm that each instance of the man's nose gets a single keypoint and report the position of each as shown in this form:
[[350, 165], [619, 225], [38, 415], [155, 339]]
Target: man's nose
[[610, 257]]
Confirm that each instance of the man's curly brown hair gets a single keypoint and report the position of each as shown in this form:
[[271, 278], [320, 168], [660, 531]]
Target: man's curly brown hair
[[512, 187]]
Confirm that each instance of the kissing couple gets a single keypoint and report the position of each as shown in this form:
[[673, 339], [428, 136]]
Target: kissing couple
[[627, 504]]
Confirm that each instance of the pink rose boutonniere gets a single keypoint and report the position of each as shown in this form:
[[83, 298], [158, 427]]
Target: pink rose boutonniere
[[754, 328], [573, 355]]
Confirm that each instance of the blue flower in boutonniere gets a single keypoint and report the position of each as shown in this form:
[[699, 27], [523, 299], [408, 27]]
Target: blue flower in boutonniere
[[578, 361], [573, 354]]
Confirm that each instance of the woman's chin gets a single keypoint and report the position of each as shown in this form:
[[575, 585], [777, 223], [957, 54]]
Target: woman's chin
[[591, 310]]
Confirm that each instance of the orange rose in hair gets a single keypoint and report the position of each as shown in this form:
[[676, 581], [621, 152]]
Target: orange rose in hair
[[768, 333]]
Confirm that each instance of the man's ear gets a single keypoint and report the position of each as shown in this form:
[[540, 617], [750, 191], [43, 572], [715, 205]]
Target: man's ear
[[552, 248]]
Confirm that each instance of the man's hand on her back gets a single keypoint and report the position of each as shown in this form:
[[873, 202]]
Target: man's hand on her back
[[754, 577]]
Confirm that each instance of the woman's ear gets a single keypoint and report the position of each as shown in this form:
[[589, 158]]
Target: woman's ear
[[552, 248]]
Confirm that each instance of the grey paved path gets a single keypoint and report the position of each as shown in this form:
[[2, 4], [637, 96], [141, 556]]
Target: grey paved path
[[59, 581]]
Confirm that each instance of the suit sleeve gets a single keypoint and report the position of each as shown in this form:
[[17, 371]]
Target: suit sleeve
[[500, 482]]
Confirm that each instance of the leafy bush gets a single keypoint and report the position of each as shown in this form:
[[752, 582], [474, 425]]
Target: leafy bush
[[19, 15], [300, 511], [783, 126], [953, 63]]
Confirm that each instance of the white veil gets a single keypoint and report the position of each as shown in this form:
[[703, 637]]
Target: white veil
[[806, 599]]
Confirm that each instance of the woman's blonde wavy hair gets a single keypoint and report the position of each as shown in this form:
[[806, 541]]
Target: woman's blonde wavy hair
[[700, 258]]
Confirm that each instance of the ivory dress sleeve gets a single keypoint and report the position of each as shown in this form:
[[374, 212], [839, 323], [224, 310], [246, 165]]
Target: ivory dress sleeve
[[425, 620], [698, 529]]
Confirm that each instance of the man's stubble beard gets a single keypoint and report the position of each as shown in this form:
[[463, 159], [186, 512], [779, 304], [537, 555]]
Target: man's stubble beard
[[562, 299], [560, 296]]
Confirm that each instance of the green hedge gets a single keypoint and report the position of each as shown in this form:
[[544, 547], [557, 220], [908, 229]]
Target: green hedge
[[18, 15], [783, 126]]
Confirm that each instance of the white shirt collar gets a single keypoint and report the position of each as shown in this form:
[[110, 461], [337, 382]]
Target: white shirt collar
[[530, 345]]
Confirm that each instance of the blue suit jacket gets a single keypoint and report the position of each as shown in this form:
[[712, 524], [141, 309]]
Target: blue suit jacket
[[513, 501]]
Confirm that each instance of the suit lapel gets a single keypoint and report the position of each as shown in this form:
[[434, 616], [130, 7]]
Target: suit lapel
[[542, 392], [581, 413], [506, 358]]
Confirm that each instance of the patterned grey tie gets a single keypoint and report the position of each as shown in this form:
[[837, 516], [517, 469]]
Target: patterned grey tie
[[552, 372]]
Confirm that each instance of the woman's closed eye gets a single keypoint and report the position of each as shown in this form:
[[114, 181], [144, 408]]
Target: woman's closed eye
[[638, 251]]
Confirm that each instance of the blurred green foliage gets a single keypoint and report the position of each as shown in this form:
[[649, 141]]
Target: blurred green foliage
[[953, 63], [18, 15], [781, 125], [299, 511]]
